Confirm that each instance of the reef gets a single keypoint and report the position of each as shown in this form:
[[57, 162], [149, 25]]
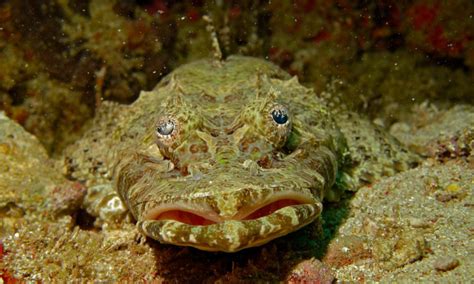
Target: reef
[[406, 66]]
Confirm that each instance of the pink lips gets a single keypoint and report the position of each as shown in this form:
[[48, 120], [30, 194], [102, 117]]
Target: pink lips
[[191, 218]]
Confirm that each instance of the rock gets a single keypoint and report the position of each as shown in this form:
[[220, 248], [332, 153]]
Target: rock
[[450, 192], [448, 135], [29, 182], [445, 196], [418, 223], [403, 250], [446, 263], [310, 271], [399, 246], [66, 198], [346, 250]]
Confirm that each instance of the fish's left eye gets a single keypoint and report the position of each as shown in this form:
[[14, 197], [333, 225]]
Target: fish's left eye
[[280, 115]]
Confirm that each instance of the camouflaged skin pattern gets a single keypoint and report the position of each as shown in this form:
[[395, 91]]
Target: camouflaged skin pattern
[[206, 141]]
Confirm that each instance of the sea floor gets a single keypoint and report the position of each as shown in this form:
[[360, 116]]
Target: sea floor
[[406, 66], [411, 227]]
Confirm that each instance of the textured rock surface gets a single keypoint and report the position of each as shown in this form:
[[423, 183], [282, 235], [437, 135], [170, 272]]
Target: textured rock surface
[[397, 226], [403, 62], [29, 184], [407, 249], [442, 134]]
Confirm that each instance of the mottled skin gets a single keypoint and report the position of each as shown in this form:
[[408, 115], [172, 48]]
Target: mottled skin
[[224, 156]]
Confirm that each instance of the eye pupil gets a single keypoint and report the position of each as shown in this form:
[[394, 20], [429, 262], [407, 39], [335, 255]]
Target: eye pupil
[[166, 128], [280, 116]]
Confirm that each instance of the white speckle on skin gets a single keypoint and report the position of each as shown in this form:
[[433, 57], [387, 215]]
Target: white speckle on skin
[[234, 191], [288, 211], [170, 234], [115, 203]]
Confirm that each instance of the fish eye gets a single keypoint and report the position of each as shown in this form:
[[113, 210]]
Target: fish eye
[[280, 115], [165, 127]]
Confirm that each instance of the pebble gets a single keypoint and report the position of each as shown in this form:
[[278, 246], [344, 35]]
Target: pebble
[[310, 271], [445, 197], [418, 223], [371, 227], [345, 250], [446, 263], [5, 148], [453, 187]]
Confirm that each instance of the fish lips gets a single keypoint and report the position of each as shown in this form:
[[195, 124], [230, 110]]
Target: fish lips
[[232, 235]]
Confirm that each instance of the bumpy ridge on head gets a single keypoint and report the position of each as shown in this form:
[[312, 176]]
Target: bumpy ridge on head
[[227, 141]]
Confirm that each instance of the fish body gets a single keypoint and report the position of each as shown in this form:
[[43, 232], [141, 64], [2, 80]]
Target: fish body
[[221, 156]]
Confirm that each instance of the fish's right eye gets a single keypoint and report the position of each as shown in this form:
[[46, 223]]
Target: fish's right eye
[[280, 116], [166, 128]]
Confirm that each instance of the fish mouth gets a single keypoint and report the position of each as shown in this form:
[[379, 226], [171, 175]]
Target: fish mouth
[[232, 235], [196, 215], [253, 225]]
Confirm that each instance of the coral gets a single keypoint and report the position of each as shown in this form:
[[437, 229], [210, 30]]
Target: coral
[[121, 44], [404, 63]]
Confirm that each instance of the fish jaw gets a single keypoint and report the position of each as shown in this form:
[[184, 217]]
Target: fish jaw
[[232, 235]]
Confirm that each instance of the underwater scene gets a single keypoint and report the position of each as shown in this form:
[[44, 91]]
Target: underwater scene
[[298, 141]]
